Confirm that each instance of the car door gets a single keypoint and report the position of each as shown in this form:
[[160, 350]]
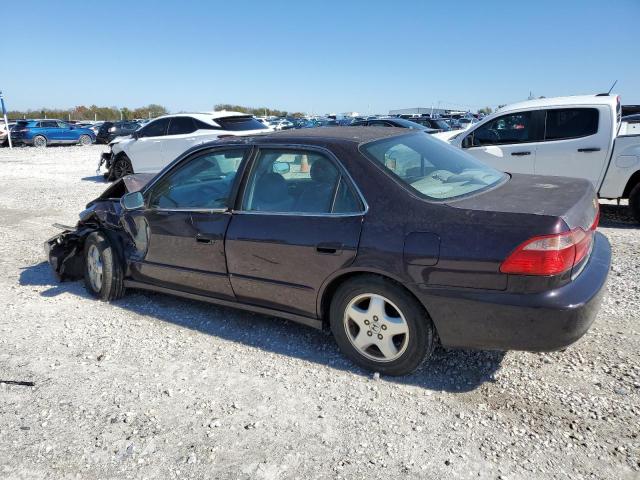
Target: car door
[[576, 143], [507, 142], [282, 244], [51, 130], [179, 235], [146, 150], [180, 137], [67, 134]]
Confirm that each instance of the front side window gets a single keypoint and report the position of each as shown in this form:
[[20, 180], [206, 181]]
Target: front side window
[[63, 125], [157, 128], [201, 183], [507, 129], [563, 123], [430, 167], [181, 126], [298, 181]]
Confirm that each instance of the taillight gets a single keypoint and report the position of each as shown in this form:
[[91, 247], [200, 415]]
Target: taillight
[[551, 254]]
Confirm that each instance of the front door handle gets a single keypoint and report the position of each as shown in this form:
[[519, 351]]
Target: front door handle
[[329, 248], [520, 154], [200, 238], [592, 149]]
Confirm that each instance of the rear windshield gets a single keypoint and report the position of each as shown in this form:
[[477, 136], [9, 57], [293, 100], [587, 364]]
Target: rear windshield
[[431, 167], [237, 124]]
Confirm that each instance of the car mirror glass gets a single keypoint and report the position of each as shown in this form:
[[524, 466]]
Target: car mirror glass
[[132, 201], [467, 142]]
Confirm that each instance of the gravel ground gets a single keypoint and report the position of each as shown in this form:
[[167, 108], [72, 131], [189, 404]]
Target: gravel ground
[[158, 387]]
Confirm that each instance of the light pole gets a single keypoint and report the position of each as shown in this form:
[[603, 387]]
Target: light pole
[[6, 122]]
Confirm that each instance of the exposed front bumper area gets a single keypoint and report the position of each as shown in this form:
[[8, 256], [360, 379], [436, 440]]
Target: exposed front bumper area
[[545, 321]]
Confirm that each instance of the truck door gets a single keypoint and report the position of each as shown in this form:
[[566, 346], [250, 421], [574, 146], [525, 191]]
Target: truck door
[[576, 143], [508, 142]]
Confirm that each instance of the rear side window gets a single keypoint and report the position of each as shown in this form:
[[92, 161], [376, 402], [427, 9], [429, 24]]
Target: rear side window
[[49, 124], [157, 128], [237, 124], [566, 123], [181, 126], [200, 125]]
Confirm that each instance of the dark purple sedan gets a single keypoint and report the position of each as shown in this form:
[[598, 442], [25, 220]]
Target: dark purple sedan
[[392, 239]]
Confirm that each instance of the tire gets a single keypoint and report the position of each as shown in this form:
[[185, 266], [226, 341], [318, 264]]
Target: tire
[[103, 272], [85, 140], [120, 168], [39, 141], [634, 202], [357, 301]]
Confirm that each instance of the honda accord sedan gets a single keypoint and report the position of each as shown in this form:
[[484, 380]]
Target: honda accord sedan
[[391, 239]]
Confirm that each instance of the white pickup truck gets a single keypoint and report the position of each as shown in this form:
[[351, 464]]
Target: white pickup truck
[[581, 136]]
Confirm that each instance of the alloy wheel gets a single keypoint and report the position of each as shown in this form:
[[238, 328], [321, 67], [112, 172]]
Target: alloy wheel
[[376, 327], [94, 267]]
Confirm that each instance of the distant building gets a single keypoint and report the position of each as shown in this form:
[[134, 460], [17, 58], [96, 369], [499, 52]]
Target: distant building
[[420, 111]]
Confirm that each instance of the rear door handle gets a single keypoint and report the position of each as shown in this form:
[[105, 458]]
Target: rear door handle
[[200, 238], [520, 154], [329, 248], [592, 149]]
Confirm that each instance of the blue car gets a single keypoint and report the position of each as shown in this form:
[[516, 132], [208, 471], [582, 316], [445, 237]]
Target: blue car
[[41, 133]]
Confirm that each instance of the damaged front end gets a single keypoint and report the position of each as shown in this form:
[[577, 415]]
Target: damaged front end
[[65, 250]]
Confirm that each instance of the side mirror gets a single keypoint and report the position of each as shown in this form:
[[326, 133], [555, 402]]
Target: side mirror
[[134, 135], [132, 201], [467, 141], [281, 167]]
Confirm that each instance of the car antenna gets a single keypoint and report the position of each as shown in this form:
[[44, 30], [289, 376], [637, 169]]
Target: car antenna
[[607, 94]]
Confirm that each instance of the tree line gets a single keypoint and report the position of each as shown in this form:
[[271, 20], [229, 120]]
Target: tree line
[[92, 112]]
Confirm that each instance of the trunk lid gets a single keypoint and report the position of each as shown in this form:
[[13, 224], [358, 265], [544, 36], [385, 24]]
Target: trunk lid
[[570, 199]]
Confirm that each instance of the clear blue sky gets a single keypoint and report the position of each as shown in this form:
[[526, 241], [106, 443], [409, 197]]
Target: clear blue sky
[[322, 56]]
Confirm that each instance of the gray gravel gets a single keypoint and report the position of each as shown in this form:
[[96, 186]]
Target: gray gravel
[[158, 387]]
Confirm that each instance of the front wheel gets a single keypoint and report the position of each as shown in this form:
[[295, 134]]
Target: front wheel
[[103, 272], [39, 141], [85, 140], [634, 202], [121, 168], [381, 326]]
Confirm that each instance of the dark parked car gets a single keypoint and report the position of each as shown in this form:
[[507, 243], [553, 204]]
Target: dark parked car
[[393, 122], [41, 133], [390, 238], [110, 130], [437, 124]]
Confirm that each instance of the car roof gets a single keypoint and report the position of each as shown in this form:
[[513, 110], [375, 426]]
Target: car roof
[[562, 101], [323, 135], [207, 116]]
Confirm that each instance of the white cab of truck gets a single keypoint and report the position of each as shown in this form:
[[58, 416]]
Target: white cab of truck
[[580, 136]]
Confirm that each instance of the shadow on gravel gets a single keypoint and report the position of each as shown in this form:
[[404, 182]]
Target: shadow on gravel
[[95, 179], [448, 370], [617, 216]]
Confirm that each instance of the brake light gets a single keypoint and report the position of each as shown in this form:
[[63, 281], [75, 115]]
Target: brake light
[[551, 254]]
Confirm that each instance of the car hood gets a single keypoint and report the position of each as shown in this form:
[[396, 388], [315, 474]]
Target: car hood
[[570, 199]]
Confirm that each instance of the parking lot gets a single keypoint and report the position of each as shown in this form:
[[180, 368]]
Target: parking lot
[[155, 386]]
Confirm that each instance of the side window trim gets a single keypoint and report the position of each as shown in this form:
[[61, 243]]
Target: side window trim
[[251, 160]]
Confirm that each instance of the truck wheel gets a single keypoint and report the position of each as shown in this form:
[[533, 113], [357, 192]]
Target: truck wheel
[[634, 202], [381, 326], [39, 141], [103, 273]]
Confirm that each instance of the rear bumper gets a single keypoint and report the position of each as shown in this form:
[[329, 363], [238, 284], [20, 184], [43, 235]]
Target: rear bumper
[[544, 321]]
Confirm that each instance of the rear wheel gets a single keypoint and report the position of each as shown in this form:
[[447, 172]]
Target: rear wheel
[[121, 168], [85, 140], [381, 326], [103, 273], [39, 141], [634, 202]]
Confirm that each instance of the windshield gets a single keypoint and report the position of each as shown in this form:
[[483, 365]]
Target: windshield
[[431, 167]]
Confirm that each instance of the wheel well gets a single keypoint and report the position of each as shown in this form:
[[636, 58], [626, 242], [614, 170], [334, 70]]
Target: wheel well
[[330, 290], [633, 181]]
